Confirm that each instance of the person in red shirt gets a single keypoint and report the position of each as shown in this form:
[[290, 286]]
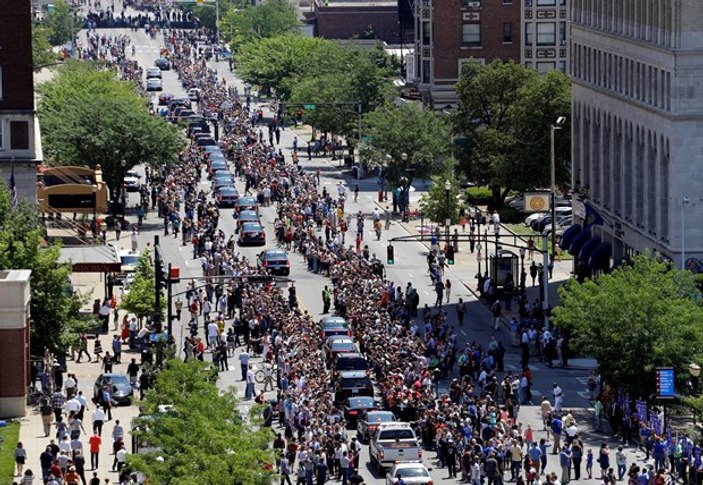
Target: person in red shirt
[[95, 441]]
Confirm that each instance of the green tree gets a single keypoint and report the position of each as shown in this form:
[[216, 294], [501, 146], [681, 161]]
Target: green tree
[[640, 317], [63, 23], [54, 310], [360, 78], [391, 131], [504, 113], [90, 118], [245, 23], [280, 62], [142, 292], [201, 438], [42, 55], [436, 205]]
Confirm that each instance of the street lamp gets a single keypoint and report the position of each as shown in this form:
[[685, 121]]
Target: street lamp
[[695, 371], [448, 220], [552, 166], [684, 200], [123, 164], [94, 188]]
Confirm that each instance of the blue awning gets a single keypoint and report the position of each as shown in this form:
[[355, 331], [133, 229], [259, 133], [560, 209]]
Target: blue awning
[[588, 248], [569, 236], [600, 257], [581, 239]]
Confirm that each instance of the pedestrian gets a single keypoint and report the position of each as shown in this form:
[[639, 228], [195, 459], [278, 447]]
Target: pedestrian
[[117, 348], [460, 311], [589, 463], [46, 412], [533, 272], [20, 459], [57, 402], [94, 442], [326, 300], [250, 389], [98, 351], [450, 458], [135, 242], [118, 228], [448, 290], [621, 462], [28, 478], [439, 289], [565, 463], [98, 418], [558, 397], [604, 460]]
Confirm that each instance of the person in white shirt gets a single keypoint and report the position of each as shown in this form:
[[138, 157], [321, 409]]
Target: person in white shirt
[[212, 333], [244, 363], [558, 397], [250, 391], [73, 406], [98, 417]]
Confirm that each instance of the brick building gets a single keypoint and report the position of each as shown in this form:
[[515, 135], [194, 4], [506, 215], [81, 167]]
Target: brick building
[[14, 335], [20, 147], [450, 33], [360, 19]]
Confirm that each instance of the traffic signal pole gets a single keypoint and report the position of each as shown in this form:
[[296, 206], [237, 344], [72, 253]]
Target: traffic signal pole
[[159, 279]]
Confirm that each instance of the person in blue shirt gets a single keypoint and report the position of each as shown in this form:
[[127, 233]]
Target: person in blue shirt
[[536, 456], [543, 450], [557, 427], [565, 463], [659, 453]]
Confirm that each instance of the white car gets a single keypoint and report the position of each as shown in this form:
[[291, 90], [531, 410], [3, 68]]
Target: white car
[[154, 84], [410, 473], [131, 181], [153, 73], [561, 211], [194, 94]]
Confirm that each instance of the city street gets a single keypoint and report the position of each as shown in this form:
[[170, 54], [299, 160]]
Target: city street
[[410, 266]]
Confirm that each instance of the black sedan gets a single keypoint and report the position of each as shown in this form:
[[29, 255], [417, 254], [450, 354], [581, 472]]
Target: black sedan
[[247, 203], [162, 63], [227, 196], [367, 426], [246, 216], [355, 408], [252, 233], [119, 386], [275, 261]]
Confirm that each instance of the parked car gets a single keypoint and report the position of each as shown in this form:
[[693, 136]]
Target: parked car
[[538, 215], [366, 426], [275, 261], [119, 385], [562, 223], [539, 225]]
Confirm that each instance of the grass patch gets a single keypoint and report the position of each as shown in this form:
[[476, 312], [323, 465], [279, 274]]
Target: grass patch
[[11, 435], [525, 232]]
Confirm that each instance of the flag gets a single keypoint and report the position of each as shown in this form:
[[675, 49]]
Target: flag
[[13, 188], [593, 217]]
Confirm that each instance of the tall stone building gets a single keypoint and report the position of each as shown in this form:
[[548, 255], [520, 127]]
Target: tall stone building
[[20, 146], [637, 153], [545, 36]]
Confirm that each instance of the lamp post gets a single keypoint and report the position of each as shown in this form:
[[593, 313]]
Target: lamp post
[[448, 220], [123, 192], [523, 275], [684, 200], [695, 371], [552, 174], [94, 188]]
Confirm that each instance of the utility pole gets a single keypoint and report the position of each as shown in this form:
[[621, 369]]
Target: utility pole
[[169, 313], [159, 281]]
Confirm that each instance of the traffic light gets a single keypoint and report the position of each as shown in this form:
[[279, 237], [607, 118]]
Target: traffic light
[[389, 255], [299, 116], [450, 255]]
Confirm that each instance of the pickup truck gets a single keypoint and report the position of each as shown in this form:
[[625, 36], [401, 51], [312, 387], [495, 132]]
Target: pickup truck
[[393, 443]]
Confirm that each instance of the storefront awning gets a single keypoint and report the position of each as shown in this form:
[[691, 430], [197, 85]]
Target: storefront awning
[[588, 248], [581, 239], [569, 235], [600, 257]]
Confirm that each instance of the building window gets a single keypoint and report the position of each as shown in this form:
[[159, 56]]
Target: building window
[[507, 2], [562, 3], [471, 3], [562, 33], [19, 135], [507, 32], [528, 33], [562, 66], [546, 3], [2, 144], [471, 35], [546, 33], [426, 30], [426, 78], [546, 66]]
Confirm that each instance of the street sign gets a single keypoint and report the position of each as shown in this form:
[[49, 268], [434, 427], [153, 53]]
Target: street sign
[[665, 383], [309, 107]]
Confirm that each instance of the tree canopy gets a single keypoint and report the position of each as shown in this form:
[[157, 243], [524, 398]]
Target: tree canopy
[[640, 317], [236, 451], [62, 22], [42, 54], [244, 23], [504, 112], [88, 117], [54, 309], [435, 204], [142, 291], [422, 135]]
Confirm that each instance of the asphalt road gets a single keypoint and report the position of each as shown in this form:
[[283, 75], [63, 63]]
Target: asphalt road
[[409, 265]]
